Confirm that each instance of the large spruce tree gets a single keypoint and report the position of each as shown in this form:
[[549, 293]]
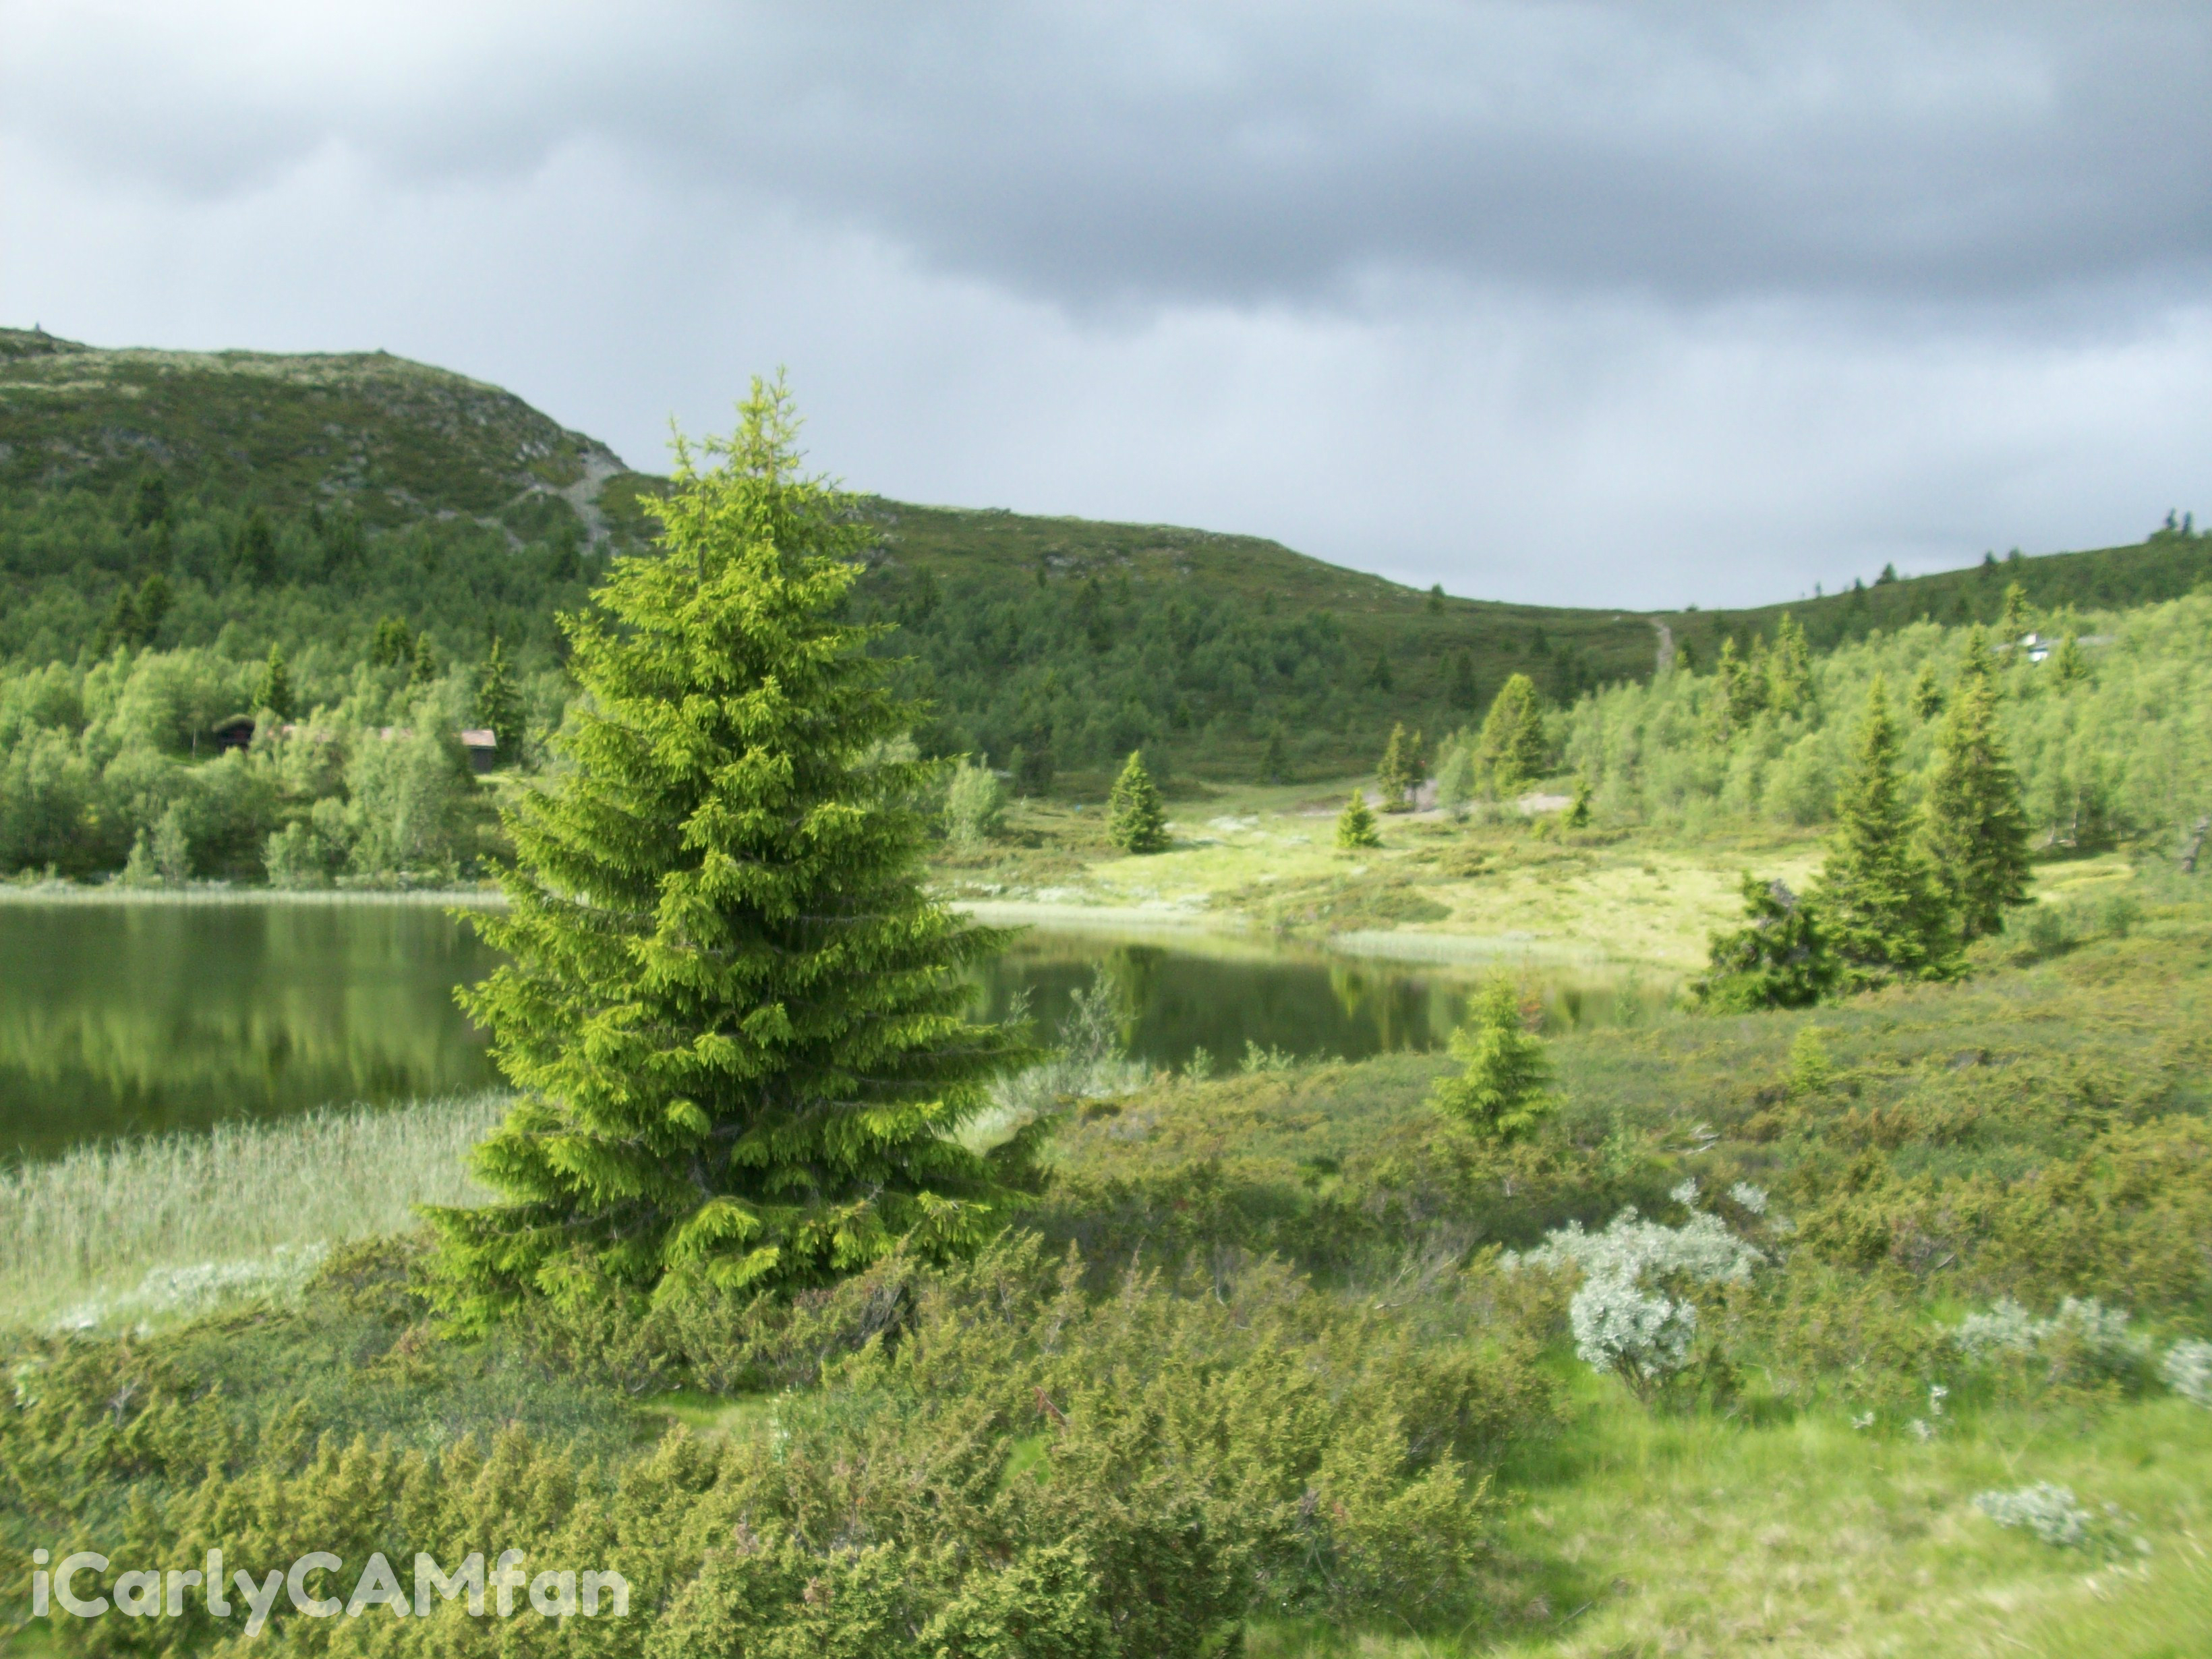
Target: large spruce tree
[[1879, 901], [734, 1016], [1977, 821]]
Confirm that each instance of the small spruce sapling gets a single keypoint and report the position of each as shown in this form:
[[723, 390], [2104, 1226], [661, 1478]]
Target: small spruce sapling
[[1811, 1070], [1136, 817], [1579, 809], [1464, 694], [1503, 1089], [1275, 764], [1355, 825]]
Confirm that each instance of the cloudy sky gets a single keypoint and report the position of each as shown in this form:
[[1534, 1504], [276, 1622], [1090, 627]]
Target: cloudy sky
[[1641, 304]]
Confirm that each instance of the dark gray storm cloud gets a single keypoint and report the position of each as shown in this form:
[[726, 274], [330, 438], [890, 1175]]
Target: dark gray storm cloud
[[1791, 290], [1243, 154]]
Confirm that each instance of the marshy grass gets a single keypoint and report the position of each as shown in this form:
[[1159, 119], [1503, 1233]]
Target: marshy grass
[[132, 1230]]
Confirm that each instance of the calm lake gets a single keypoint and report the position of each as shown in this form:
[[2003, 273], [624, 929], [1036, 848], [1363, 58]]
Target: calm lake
[[126, 1019]]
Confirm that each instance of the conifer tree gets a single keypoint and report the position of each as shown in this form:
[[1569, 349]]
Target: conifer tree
[[1136, 817], [1032, 767], [422, 666], [121, 628], [2069, 663], [1456, 775], [1579, 811], [275, 692], [1379, 677], [1513, 735], [499, 705], [1355, 825], [1879, 899], [151, 506], [257, 548], [1927, 700], [393, 645], [1463, 695], [1401, 771], [734, 1015], [155, 598], [1975, 662], [1750, 695], [1790, 669], [1724, 712], [2016, 612], [1274, 765], [1976, 821], [1779, 958], [1503, 1089]]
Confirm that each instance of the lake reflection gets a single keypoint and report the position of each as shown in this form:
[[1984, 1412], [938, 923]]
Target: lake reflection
[[128, 1018], [123, 1018], [1173, 997]]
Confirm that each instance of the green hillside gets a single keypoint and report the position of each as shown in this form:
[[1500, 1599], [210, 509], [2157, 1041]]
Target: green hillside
[[2167, 564], [234, 500]]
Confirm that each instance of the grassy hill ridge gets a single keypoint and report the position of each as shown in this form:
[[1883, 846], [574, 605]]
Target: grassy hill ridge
[[394, 439]]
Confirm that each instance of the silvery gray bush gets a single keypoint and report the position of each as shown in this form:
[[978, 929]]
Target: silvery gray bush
[[1642, 1336], [2083, 1325], [1625, 1322], [2188, 1371], [2048, 1511]]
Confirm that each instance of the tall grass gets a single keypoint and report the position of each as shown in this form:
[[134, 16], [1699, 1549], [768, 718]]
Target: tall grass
[[127, 1231]]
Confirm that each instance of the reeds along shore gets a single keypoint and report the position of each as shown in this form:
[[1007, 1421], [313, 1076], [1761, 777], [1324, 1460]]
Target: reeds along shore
[[114, 1232]]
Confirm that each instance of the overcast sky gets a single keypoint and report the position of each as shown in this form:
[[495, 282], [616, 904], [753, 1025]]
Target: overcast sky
[[1638, 304]]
